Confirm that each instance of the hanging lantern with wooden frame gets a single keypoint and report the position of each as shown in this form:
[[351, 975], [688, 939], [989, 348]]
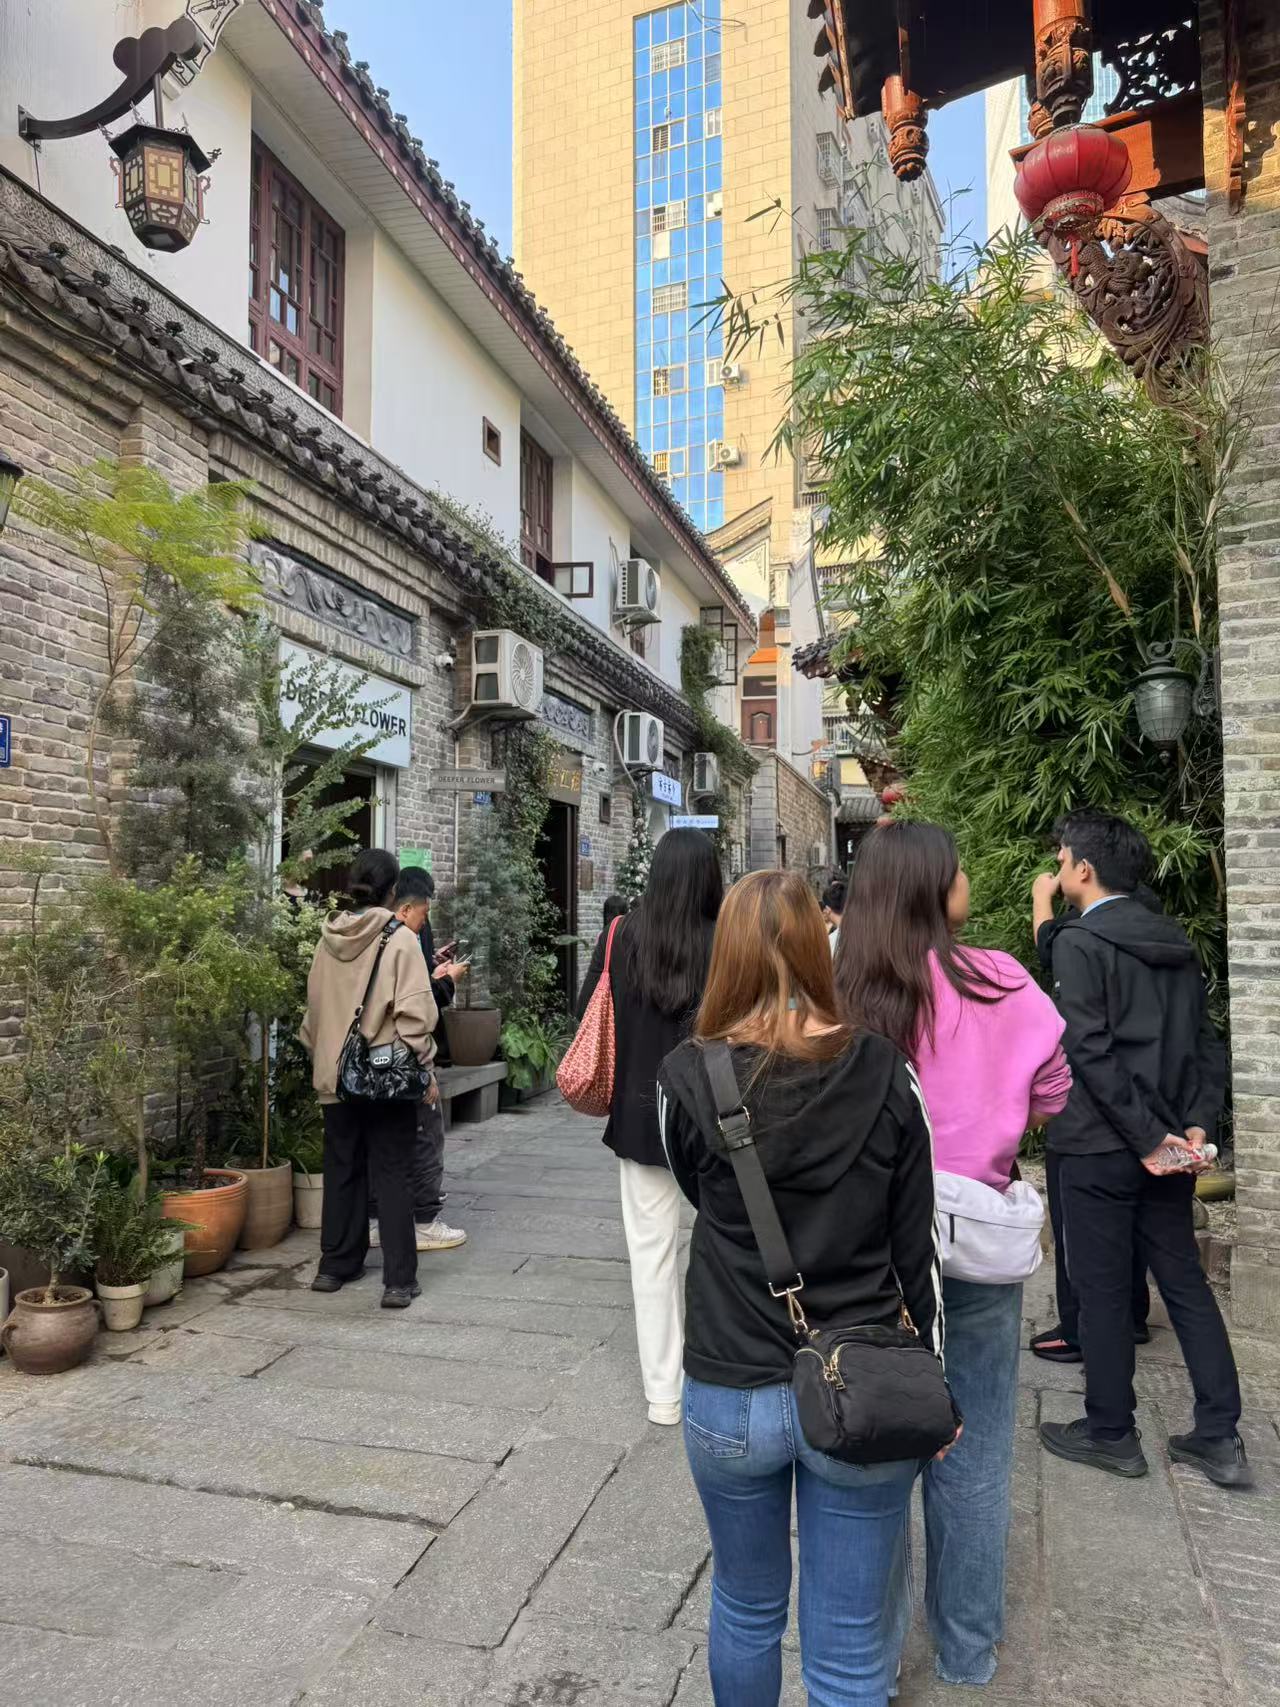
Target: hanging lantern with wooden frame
[[161, 185]]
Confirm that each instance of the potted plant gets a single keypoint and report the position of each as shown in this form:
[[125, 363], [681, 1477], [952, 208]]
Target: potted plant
[[132, 1239], [48, 1205], [483, 913], [306, 1155], [532, 1049]]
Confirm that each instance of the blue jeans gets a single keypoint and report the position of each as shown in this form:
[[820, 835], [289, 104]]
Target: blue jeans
[[745, 1447], [966, 1496]]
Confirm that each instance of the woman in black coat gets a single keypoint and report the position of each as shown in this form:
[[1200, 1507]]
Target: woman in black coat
[[657, 971]]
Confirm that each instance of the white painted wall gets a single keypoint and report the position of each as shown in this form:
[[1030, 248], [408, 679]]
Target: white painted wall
[[433, 386], [55, 60]]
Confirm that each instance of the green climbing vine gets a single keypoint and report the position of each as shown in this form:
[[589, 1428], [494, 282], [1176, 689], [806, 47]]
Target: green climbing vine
[[698, 677]]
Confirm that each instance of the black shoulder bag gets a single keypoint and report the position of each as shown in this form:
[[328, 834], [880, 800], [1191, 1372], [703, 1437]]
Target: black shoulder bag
[[866, 1395], [379, 1072]]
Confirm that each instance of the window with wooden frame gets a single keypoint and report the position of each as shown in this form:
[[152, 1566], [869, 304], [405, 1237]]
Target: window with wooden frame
[[725, 629], [297, 260], [492, 441], [537, 477]]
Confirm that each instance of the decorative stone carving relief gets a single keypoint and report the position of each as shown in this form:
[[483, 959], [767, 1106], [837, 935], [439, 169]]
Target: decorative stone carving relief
[[572, 723], [305, 588]]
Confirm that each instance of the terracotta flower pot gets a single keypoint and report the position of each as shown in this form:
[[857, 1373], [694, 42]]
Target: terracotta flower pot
[[473, 1035], [121, 1306], [216, 1215], [308, 1199], [270, 1207], [46, 1339], [166, 1282]]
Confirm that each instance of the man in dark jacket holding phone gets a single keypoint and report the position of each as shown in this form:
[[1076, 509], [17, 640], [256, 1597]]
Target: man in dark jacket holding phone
[[1148, 1073]]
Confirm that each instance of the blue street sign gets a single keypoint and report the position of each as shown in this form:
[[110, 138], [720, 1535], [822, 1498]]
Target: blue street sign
[[6, 750], [584, 847], [483, 797]]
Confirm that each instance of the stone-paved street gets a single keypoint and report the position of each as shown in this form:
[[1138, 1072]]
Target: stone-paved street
[[266, 1496]]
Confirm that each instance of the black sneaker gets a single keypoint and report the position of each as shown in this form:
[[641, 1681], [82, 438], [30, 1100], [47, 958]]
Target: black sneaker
[[1054, 1347], [400, 1297], [1073, 1441], [1222, 1461], [327, 1283]]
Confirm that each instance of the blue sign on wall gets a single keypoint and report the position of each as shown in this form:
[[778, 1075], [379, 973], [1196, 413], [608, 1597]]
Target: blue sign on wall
[[6, 750], [584, 847]]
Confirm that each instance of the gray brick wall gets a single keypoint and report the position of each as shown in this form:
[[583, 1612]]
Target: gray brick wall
[[1244, 258]]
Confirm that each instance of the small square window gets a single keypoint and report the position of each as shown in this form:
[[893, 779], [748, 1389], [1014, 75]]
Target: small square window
[[658, 218], [662, 462], [606, 809], [667, 54], [574, 580], [713, 121], [492, 442], [711, 68], [661, 138], [661, 385]]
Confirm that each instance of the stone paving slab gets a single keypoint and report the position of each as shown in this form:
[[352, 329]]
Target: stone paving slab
[[361, 1480], [44, 1668], [587, 1667], [84, 1590], [381, 1669], [473, 1583], [208, 1530], [187, 1350], [409, 1379]]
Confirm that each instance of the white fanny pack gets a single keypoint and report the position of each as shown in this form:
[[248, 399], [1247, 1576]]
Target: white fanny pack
[[992, 1237]]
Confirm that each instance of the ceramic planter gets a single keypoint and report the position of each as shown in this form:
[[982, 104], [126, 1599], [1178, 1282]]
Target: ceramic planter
[[473, 1035], [270, 1207], [166, 1282], [216, 1215], [308, 1199], [1216, 1187], [121, 1305], [46, 1339]]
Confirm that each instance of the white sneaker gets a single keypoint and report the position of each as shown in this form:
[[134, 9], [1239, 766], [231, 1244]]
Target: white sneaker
[[439, 1236], [668, 1415], [374, 1241]]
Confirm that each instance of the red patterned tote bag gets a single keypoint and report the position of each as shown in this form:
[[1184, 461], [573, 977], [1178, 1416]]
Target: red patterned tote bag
[[585, 1076]]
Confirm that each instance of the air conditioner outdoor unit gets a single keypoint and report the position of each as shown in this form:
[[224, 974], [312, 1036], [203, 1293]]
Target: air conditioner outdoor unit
[[731, 373], [506, 674], [728, 456], [639, 592], [641, 739], [706, 773], [715, 205], [818, 854]]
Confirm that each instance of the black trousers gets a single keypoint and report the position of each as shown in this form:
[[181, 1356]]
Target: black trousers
[[426, 1167], [359, 1139], [1113, 1207], [1068, 1303]]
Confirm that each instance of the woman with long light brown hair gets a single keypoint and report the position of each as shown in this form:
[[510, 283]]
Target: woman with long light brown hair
[[840, 1131]]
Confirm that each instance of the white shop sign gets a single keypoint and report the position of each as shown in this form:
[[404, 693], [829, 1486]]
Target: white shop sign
[[385, 709], [666, 788]]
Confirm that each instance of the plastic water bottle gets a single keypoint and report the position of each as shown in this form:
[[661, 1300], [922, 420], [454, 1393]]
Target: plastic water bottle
[[1169, 1159]]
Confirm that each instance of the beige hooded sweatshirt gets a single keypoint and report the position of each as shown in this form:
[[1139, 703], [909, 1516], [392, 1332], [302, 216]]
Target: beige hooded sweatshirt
[[400, 1003]]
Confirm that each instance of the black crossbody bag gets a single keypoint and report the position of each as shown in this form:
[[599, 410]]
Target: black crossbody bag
[[866, 1395], [379, 1072]]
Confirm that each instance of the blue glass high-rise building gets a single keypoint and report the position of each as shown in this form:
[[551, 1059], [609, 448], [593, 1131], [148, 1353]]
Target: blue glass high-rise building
[[679, 253]]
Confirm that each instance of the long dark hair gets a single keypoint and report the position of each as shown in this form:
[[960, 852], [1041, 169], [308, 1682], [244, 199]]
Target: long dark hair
[[898, 914], [669, 932], [373, 877]]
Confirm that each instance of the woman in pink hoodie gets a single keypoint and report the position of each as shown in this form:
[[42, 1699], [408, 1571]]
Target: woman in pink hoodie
[[986, 1042]]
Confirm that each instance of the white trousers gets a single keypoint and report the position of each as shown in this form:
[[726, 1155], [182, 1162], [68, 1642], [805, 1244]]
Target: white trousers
[[651, 1221]]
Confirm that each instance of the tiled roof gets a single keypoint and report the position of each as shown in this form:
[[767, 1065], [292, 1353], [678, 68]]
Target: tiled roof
[[322, 47]]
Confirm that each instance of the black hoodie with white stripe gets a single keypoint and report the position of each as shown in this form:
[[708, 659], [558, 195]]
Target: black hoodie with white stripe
[[846, 1148]]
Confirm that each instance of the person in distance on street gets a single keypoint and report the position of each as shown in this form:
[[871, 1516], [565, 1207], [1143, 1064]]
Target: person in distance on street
[[358, 1135], [841, 1133], [833, 904], [414, 894], [657, 973], [1148, 1075]]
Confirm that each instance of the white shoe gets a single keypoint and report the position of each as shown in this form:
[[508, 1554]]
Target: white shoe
[[439, 1236], [668, 1415], [374, 1241]]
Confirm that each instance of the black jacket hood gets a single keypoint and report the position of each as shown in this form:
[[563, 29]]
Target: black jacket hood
[[810, 1118], [1153, 938]]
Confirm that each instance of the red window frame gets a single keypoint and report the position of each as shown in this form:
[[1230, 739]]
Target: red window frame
[[297, 277], [537, 476]]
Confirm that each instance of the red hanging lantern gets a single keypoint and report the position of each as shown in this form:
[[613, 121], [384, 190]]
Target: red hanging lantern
[[1069, 179]]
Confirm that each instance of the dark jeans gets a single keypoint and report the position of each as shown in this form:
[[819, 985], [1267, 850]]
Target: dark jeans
[[359, 1139], [1112, 1207], [1068, 1303], [426, 1166]]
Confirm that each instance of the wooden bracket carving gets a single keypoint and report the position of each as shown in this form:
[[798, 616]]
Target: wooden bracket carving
[[1064, 58], [1144, 287], [905, 116], [143, 60]]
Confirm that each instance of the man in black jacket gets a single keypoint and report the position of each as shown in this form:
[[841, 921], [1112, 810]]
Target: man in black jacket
[[1148, 1072]]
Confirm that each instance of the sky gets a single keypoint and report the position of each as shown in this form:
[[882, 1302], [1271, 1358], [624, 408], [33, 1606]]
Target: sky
[[448, 67]]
